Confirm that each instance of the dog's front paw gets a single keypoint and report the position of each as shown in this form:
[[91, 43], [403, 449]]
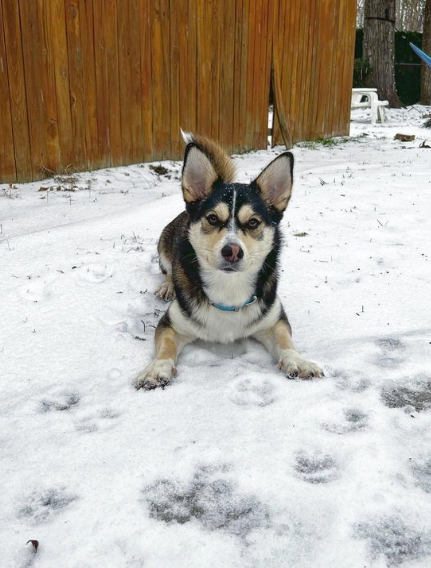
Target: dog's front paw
[[157, 374], [296, 366], [166, 291]]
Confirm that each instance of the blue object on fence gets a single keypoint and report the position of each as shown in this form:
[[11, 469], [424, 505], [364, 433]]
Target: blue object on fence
[[425, 58]]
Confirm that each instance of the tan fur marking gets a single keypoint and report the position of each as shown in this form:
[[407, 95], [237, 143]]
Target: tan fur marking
[[282, 335], [222, 212], [246, 213], [166, 343]]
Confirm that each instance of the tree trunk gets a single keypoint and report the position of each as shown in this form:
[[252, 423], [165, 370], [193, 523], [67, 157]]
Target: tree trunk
[[426, 46], [379, 48]]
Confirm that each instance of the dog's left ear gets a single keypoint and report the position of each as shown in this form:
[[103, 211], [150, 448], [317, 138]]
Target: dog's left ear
[[276, 180]]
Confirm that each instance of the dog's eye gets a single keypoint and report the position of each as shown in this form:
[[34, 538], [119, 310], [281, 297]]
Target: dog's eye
[[212, 219], [253, 223]]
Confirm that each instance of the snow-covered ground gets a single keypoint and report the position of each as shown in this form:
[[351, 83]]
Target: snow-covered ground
[[233, 465]]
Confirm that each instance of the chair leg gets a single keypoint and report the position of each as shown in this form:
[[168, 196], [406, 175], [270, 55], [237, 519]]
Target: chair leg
[[374, 112], [382, 114]]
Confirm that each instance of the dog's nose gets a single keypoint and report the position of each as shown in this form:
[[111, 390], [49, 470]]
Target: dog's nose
[[232, 252]]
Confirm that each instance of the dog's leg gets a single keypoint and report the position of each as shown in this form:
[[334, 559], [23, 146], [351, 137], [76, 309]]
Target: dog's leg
[[168, 346], [278, 342], [166, 290]]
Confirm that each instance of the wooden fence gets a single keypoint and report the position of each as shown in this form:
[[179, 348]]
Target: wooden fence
[[87, 84]]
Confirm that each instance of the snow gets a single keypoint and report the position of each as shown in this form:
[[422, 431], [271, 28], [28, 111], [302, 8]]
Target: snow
[[233, 465]]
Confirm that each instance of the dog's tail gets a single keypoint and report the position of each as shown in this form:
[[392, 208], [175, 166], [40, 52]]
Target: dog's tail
[[222, 163]]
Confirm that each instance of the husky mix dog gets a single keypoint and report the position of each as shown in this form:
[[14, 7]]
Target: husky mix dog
[[220, 260]]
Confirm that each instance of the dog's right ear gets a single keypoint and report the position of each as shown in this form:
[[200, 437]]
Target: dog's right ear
[[198, 175]]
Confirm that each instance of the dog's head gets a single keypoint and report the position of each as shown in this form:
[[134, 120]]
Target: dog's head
[[233, 225]]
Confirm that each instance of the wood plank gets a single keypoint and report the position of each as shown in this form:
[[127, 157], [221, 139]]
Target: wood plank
[[176, 146], [203, 65], [337, 72], [192, 65], [308, 72], [299, 95], [295, 48], [160, 80], [242, 119], [136, 89], [118, 155], [89, 82], [267, 78], [49, 97], [146, 81], [102, 87], [237, 86], [125, 84], [7, 155], [323, 71], [216, 38], [248, 141], [331, 63], [15, 66], [347, 64], [183, 65], [317, 56], [257, 72], [57, 31], [262, 125], [76, 82], [231, 69], [36, 111]]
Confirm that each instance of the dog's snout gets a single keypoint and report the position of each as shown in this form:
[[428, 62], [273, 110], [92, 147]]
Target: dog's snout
[[232, 252]]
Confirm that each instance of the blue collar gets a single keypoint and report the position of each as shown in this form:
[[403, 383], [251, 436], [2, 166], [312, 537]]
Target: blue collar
[[224, 308]]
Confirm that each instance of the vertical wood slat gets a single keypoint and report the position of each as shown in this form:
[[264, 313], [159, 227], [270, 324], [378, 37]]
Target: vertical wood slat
[[57, 30], [311, 54], [7, 158], [93, 84], [146, 79], [101, 77], [16, 77], [242, 121], [237, 74], [118, 132], [248, 138], [347, 64], [257, 82], [35, 108], [160, 78], [174, 60], [125, 85], [136, 83], [217, 36], [203, 70], [89, 83], [314, 96], [226, 75], [76, 78], [49, 97]]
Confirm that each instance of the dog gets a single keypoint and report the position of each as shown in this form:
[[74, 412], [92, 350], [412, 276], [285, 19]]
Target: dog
[[220, 261]]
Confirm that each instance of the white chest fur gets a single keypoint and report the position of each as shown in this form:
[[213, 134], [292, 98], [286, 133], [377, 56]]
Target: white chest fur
[[221, 326]]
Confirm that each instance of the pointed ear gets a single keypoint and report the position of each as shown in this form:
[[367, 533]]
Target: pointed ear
[[275, 182], [198, 174]]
